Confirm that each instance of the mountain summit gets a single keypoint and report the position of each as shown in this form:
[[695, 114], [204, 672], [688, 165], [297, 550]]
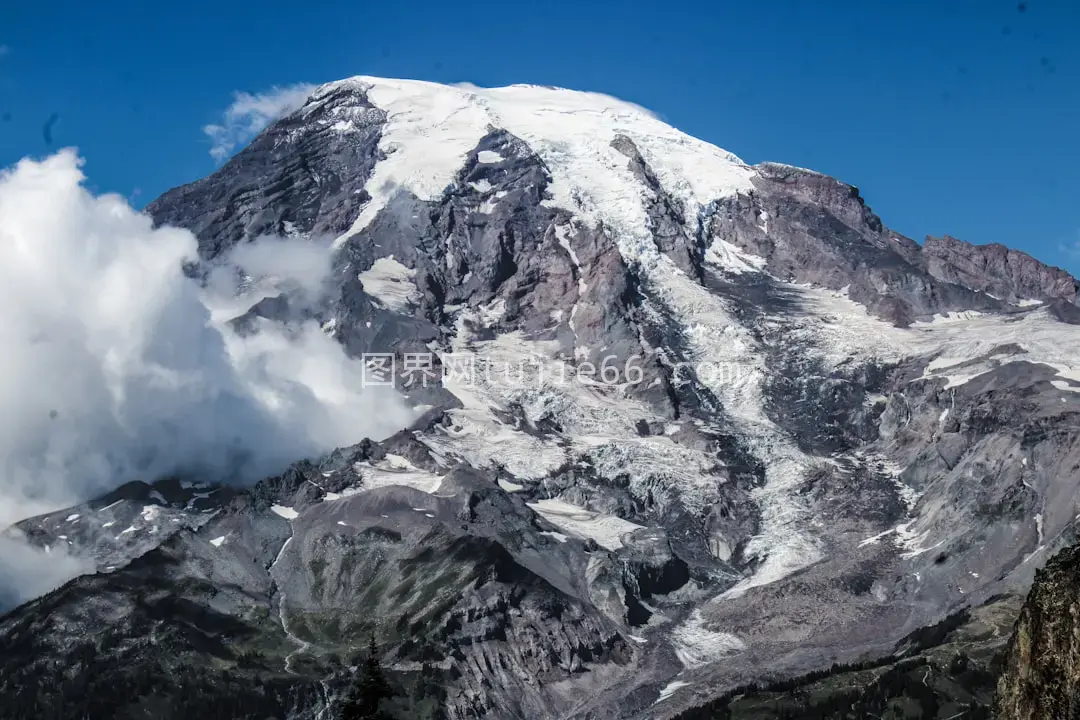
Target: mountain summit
[[683, 424]]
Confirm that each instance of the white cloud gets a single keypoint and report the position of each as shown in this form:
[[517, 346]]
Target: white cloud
[[37, 571], [249, 114], [117, 367]]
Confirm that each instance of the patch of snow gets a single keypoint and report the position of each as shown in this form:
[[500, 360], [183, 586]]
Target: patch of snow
[[109, 524], [72, 518], [669, 690], [155, 495], [510, 487], [557, 535], [606, 530], [732, 259], [873, 539], [952, 317], [914, 541], [391, 284], [488, 156], [286, 512], [395, 470], [1063, 385], [281, 552], [1032, 554], [696, 645], [217, 542], [129, 530], [953, 381]]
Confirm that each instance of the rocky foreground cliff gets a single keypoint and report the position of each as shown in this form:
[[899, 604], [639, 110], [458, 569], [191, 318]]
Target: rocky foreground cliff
[[1041, 676]]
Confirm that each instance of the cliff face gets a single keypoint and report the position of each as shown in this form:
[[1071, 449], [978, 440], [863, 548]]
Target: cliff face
[[995, 269], [1041, 678]]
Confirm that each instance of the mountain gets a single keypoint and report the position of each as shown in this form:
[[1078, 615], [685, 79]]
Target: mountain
[[687, 425]]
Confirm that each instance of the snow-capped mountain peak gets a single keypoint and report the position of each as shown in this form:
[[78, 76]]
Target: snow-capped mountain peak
[[431, 130], [684, 422]]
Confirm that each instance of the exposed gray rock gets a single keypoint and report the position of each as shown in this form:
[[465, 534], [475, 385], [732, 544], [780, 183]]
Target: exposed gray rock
[[303, 174], [810, 228], [1008, 274]]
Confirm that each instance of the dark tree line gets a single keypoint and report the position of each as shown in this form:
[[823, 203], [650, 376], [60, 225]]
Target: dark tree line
[[903, 682], [370, 692]]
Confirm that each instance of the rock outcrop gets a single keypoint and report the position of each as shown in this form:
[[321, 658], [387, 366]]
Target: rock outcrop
[[1008, 274], [1041, 676]]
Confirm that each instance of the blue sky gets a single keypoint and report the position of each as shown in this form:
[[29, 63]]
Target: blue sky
[[954, 116]]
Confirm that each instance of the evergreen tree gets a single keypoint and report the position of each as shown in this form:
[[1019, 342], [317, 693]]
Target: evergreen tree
[[368, 690]]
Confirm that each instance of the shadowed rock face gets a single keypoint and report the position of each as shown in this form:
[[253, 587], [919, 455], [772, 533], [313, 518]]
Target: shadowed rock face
[[995, 269], [302, 174], [813, 229], [1041, 677], [812, 463]]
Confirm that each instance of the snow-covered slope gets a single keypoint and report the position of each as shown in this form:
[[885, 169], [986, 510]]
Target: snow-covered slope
[[431, 129]]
